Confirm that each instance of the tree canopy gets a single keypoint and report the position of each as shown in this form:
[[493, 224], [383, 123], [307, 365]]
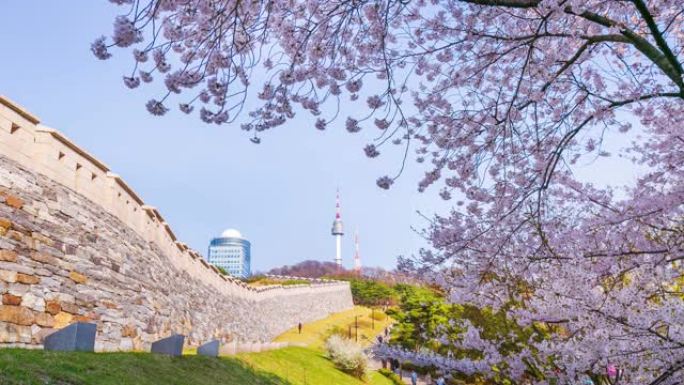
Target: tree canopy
[[500, 100]]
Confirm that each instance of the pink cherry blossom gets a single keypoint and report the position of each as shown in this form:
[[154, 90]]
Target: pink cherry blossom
[[499, 101]]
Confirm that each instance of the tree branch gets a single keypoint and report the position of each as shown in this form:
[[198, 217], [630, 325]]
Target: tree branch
[[505, 3], [657, 35]]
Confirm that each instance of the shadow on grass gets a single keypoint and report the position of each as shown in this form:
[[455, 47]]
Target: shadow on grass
[[20, 366]]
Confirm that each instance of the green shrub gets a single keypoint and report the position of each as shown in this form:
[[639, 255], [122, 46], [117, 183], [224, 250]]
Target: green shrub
[[391, 376], [378, 315], [371, 293], [336, 330]]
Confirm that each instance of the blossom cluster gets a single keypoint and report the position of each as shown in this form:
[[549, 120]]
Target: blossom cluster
[[500, 100]]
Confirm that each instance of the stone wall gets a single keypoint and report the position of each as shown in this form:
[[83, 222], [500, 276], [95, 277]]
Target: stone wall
[[77, 244]]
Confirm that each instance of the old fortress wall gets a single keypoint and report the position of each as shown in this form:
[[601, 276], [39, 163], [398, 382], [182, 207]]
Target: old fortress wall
[[78, 244]]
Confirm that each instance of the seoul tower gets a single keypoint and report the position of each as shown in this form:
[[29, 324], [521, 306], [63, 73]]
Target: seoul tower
[[337, 231]]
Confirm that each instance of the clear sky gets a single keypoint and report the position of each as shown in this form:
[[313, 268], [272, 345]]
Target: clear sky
[[205, 178]]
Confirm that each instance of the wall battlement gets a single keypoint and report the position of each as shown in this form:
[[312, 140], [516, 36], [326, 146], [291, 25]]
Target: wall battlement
[[37, 159]]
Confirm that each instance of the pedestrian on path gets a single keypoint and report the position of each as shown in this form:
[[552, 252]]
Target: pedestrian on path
[[414, 377], [299, 327]]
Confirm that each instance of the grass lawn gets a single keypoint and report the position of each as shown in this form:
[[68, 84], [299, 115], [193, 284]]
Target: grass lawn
[[314, 334], [303, 366], [19, 366], [289, 366]]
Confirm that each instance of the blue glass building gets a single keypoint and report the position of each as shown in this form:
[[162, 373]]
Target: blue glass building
[[231, 252]]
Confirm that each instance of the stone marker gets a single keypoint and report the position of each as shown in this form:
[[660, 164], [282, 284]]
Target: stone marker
[[172, 346], [210, 349], [79, 336]]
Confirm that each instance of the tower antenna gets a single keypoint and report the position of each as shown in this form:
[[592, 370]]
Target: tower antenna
[[357, 254]]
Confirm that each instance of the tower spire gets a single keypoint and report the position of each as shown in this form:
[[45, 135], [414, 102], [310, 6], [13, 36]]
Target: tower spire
[[338, 230], [338, 214]]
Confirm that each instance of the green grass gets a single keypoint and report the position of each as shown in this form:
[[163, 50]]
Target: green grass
[[315, 333], [306, 367], [18, 366], [289, 366]]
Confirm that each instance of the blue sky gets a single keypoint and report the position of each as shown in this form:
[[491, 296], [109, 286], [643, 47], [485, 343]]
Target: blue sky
[[205, 178]]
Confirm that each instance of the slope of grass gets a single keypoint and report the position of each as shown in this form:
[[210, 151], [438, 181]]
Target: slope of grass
[[289, 366], [306, 367], [314, 334], [29, 367]]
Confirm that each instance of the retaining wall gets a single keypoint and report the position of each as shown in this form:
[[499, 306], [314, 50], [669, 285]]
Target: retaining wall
[[78, 244]]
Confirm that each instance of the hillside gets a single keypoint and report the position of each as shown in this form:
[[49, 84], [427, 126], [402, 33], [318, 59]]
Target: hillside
[[314, 334], [290, 366]]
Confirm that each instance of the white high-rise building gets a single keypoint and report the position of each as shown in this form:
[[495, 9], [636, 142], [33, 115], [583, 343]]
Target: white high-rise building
[[231, 252]]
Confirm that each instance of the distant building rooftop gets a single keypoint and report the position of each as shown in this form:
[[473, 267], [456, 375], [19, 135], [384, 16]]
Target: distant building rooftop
[[231, 233]]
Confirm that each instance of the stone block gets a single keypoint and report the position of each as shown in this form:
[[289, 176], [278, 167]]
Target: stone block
[[14, 201], [210, 349], [8, 276], [53, 307], [44, 258], [126, 344], [172, 345], [9, 299], [63, 319], [18, 289], [83, 317], [78, 336], [33, 302], [69, 307], [8, 256], [45, 320], [16, 267], [42, 238], [5, 223], [39, 335], [14, 235], [27, 279], [17, 315], [129, 331], [10, 333], [109, 304], [78, 277]]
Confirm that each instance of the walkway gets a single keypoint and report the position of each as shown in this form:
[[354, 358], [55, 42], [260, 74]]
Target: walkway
[[376, 364]]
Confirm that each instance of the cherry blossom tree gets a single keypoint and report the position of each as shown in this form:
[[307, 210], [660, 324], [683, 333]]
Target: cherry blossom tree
[[500, 100]]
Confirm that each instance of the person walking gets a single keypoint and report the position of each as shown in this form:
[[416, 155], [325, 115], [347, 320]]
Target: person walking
[[440, 380], [414, 377], [299, 327]]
